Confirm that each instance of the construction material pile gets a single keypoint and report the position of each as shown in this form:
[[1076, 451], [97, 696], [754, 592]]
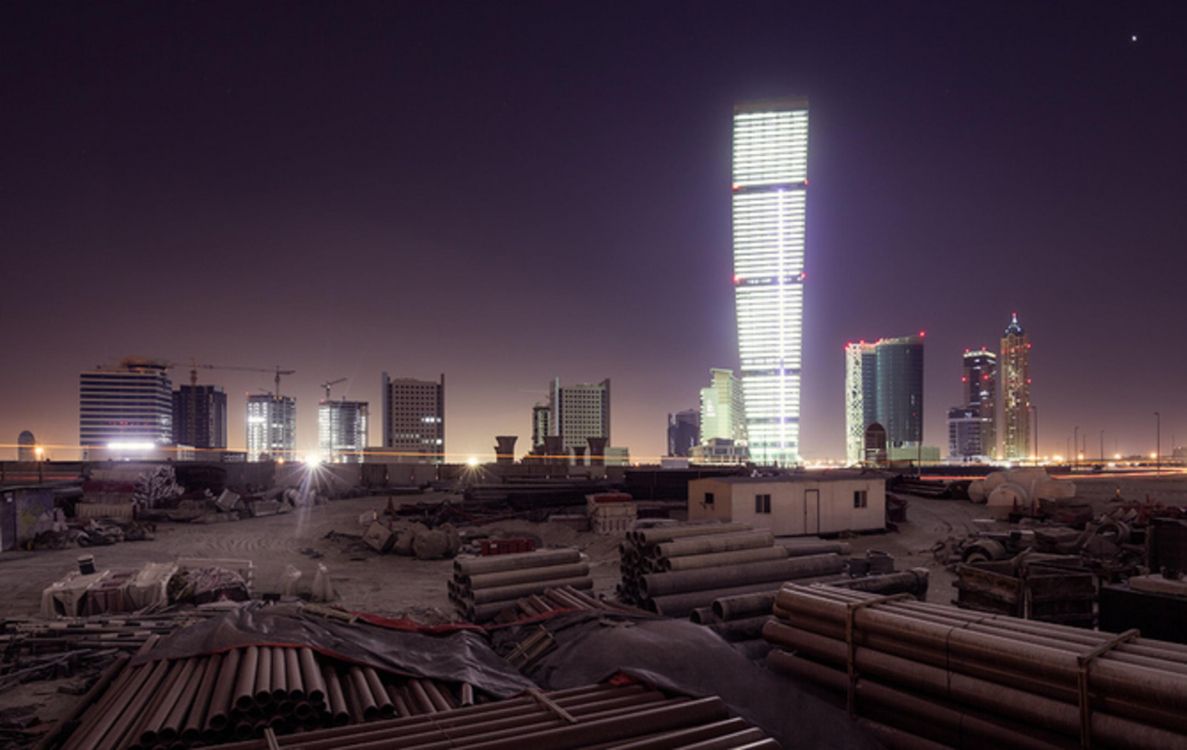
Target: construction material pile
[[962, 679], [672, 570], [242, 692], [482, 587], [559, 599], [739, 619], [593, 715]]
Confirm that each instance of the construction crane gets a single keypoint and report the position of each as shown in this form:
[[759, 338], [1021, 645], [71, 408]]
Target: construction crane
[[331, 383], [276, 371]]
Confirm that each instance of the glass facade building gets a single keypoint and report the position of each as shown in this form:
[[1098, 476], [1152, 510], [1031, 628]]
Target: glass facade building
[[200, 416], [770, 181], [126, 411], [884, 386], [271, 427], [342, 431], [1015, 367]]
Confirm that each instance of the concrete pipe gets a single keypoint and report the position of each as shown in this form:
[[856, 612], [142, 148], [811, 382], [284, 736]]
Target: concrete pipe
[[660, 584], [803, 547], [703, 616], [495, 563], [736, 557], [525, 575], [680, 605], [509, 593], [647, 537], [705, 545], [746, 629], [745, 605]]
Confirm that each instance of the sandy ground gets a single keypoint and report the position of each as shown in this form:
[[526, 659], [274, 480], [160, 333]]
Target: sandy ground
[[394, 585]]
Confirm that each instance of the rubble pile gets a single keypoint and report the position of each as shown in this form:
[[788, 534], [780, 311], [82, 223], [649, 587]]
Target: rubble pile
[[924, 673], [482, 587], [672, 570], [409, 538]]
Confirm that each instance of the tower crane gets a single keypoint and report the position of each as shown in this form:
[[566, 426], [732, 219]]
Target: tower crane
[[276, 371], [332, 383]]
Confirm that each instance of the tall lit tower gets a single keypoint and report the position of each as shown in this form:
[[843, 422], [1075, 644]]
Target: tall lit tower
[[1015, 371], [770, 181], [979, 380]]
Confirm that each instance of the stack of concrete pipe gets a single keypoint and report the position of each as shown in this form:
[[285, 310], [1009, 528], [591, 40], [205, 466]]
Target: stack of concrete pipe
[[236, 695], [740, 618], [927, 673], [484, 586], [672, 570]]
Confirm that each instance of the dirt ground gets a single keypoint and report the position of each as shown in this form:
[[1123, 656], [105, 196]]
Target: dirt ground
[[394, 585]]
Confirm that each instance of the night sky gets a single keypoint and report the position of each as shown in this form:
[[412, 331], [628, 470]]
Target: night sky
[[505, 192]]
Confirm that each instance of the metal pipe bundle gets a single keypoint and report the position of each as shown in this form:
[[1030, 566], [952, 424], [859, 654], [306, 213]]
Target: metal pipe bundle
[[630, 717], [955, 677], [204, 700], [482, 587]]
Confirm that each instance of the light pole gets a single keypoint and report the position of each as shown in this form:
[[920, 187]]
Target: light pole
[[1157, 443], [1102, 447], [1075, 447], [1034, 409]]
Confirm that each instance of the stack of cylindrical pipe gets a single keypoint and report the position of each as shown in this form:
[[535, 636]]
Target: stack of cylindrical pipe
[[630, 717], [484, 586], [237, 694], [938, 674], [672, 570], [559, 599]]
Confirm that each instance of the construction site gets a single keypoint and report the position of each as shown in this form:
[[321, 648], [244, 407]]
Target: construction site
[[153, 605]]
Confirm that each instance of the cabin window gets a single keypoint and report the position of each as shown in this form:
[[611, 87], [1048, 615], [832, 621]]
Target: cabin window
[[860, 500], [708, 498], [762, 503]]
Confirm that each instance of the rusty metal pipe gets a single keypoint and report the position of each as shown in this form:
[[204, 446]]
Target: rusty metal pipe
[[245, 682], [398, 700], [191, 730], [172, 699], [436, 695], [714, 559], [648, 537], [279, 677], [224, 692], [335, 699], [263, 687], [361, 693], [467, 694], [711, 544], [771, 571], [524, 575], [744, 605], [383, 701], [311, 676], [516, 591], [471, 566]]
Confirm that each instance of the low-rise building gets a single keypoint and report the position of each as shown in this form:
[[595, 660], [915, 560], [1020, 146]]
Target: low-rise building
[[793, 505]]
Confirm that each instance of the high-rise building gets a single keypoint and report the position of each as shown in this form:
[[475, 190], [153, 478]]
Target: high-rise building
[[26, 449], [271, 427], [683, 431], [341, 431], [414, 418], [580, 412], [884, 385], [972, 432], [200, 416], [125, 411], [541, 425], [723, 410], [1015, 370], [770, 181]]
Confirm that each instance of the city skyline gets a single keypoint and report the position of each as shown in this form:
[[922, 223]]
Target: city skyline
[[273, 163]]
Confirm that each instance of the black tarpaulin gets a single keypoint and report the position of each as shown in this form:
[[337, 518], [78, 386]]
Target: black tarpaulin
[[680, 656], [459, 657]]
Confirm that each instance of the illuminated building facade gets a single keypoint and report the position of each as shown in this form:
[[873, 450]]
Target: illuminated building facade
[[271, 427], [580, 412], [723, 409], [861, 372], [200, 416], [414, 419], [770, 181], [972, 426], [1015, 371], [341, 431], [125, 411], [541, 425]]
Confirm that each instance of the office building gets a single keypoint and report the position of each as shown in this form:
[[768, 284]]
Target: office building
[[200, 416], [541, 425], [271, 427], [972, 433], [414, 419], [770, 181], [1015, 373], [884, 386], [341, 431], [126, 411], [26, 446], [967, 431], [719, 451], [579, 412], [683, 432], [723, 410]]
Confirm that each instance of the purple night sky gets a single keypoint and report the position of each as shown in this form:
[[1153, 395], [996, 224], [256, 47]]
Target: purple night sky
[[505, 192]]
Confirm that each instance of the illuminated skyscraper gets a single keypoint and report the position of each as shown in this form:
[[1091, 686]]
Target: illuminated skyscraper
[[414, 418], [271, 427], [126, 410], [861, 402], [770, 180], [1015, 368], [723, 414], [972, 427], [342, 431], [884, 385]]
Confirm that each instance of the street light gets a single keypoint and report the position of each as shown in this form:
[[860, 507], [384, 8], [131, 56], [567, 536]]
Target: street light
[[1075, 447]]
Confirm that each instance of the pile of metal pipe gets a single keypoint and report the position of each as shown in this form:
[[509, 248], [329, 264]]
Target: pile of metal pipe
[[939, 674], [559, 599], [238, 694], [484, 586], [673, 570], [628, 717]]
